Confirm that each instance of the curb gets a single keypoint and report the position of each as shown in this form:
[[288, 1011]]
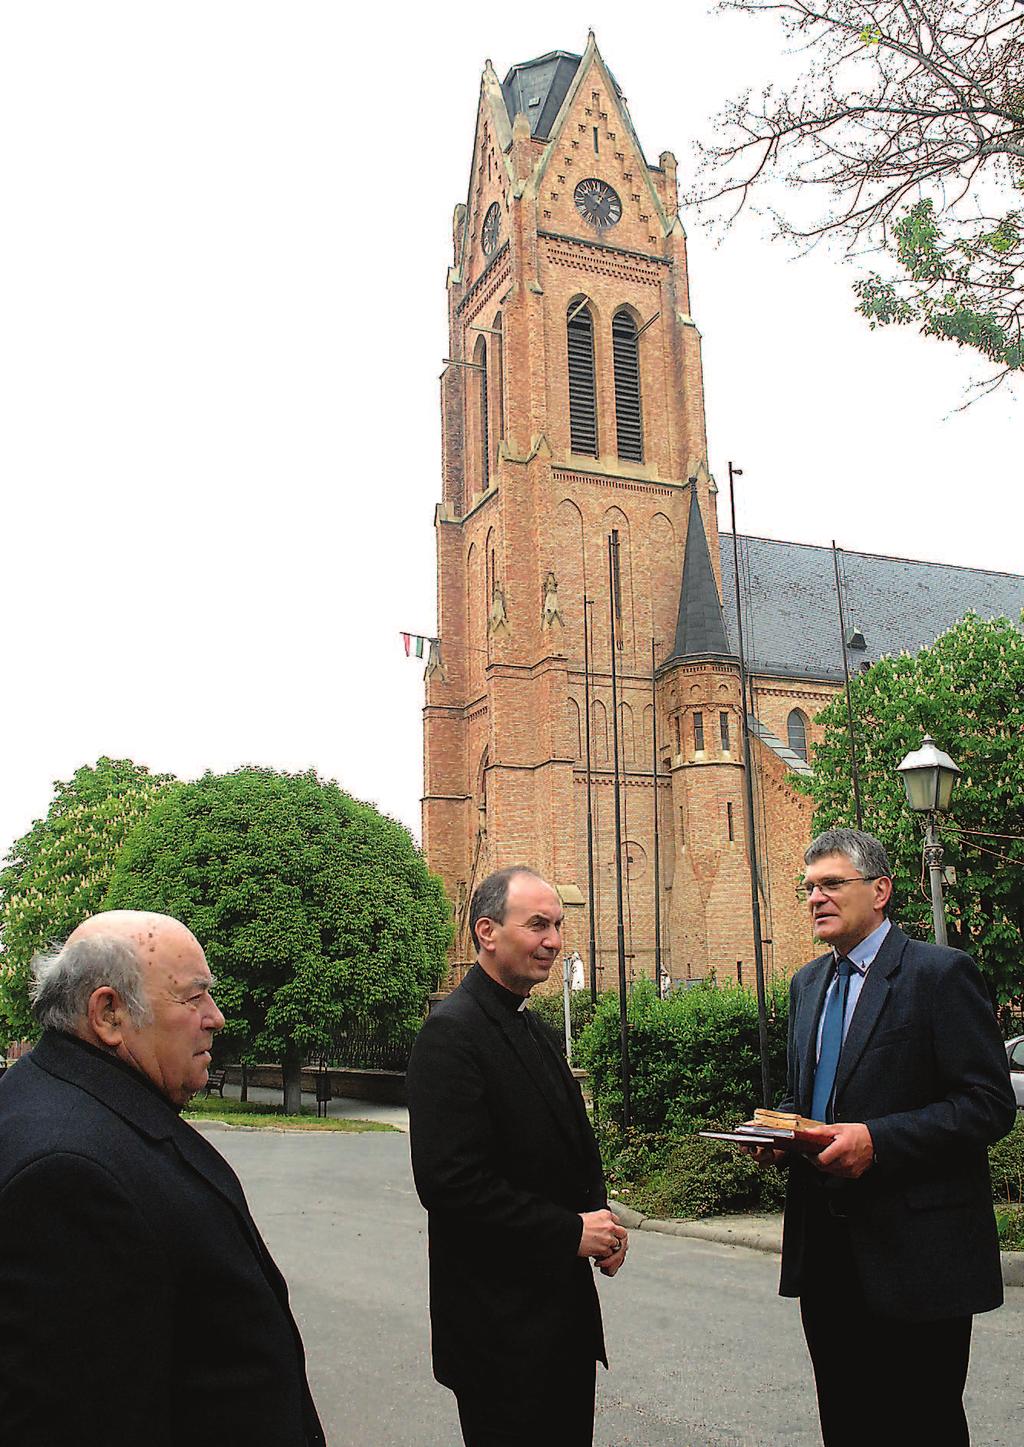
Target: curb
[[761, 1234], [756, 1235]]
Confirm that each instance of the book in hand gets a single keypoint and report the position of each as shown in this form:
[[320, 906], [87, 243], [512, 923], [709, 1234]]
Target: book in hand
[[780, 1130]]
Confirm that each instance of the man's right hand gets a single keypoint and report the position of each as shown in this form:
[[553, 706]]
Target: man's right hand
[[764, 1155], [601, 1234]]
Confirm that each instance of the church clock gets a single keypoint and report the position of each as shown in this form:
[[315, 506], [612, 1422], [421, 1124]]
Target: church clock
[[491, 229], [597, 203]]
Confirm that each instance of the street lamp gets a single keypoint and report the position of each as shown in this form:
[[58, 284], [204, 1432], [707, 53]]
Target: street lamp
[[928, 777]]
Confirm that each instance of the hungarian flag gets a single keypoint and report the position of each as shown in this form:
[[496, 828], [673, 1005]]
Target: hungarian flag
[[411, 641]]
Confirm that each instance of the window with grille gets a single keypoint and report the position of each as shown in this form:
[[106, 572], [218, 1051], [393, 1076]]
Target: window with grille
[[626, 358], [698, 732], [582, 391], [723, 719]]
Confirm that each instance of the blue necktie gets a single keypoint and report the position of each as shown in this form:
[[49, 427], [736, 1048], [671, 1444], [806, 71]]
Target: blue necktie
[[831, 1045]]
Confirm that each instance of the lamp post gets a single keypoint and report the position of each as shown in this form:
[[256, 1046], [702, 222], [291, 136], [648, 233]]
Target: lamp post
[[928, 777]]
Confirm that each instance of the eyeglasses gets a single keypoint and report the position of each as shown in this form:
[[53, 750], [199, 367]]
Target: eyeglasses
[[829, 887]]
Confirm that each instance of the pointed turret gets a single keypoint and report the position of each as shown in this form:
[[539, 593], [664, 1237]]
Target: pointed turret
[[700, 629]]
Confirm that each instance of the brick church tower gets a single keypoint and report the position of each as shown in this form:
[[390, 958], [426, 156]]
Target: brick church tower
[[573, 412]]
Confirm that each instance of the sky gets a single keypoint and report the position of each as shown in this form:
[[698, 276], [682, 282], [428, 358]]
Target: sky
[[227, 232]]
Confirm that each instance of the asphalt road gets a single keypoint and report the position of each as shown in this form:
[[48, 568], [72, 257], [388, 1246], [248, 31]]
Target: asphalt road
[[703, 1352]]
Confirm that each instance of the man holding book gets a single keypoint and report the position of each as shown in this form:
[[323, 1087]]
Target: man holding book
[[889, 1238]]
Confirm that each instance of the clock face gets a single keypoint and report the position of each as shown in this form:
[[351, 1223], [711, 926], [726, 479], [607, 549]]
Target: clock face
[[491, 229], [597, 203]]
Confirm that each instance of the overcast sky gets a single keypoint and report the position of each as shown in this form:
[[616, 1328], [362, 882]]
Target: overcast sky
[[227, 228]]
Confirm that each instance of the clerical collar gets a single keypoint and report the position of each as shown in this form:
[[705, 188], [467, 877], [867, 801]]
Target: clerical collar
[[506, 999]]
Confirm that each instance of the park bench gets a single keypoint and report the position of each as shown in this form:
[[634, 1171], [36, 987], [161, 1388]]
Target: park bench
[[215, 1081]]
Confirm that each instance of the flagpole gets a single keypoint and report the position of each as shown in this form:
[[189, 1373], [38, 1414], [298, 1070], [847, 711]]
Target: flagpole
[[657, 849], [620, 930], [587, 604], [851, 735], [755, 903]]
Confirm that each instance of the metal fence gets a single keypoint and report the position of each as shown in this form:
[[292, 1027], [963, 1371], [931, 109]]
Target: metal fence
[[368, 1049]]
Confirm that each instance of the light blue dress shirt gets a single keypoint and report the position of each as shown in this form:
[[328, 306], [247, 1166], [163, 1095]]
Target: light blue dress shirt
[[860, 957]]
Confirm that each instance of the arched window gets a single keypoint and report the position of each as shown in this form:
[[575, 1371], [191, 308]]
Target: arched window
[[796, 726], [626, 356], [499, 370], [480, 357], [579, 326]]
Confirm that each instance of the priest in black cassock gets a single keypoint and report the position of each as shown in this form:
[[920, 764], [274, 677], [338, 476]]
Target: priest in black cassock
[[507, 1167]]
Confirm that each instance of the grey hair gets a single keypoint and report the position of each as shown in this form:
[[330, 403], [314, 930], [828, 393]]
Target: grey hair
[[64, 980], [490, 898], [865, 852]]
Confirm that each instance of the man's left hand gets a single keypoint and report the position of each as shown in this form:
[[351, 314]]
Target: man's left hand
[[850, 1153], [610, 1264]]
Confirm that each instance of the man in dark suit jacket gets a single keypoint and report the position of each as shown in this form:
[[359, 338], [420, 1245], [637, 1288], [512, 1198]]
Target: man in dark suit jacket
[[890, 1239], [507, 1166], [139, 1306]]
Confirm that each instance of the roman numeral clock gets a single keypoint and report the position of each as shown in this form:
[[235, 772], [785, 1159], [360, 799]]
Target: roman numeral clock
[[597, 203]]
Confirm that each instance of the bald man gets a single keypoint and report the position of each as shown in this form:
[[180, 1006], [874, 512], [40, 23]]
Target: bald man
[[138, 1303]]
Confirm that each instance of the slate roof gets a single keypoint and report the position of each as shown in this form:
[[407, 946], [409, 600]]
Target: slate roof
[[538, 88], [791, 619], [700, 629]]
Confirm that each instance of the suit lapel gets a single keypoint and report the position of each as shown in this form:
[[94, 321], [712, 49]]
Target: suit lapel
[[872, 1000]]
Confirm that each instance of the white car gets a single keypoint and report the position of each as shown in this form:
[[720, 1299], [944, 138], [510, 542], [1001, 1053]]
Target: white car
[[1015, 1055]]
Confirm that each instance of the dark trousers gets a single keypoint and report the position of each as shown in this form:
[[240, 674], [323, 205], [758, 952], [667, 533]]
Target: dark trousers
[[557, 1411], [881, 1382]]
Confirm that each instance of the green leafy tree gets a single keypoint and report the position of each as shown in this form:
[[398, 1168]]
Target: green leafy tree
[[967, 691], [905, 132], [58, 873], [317, 913]]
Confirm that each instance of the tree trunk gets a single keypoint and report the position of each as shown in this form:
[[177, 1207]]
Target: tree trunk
[[291, 1074], [243, 1093]]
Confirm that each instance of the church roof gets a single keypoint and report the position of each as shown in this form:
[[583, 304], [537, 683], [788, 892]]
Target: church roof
[[700, 629], [538, 88], [791, 618]]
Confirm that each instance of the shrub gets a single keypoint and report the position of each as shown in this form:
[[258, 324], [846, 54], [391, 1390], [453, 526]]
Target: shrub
[[1006, 1161], [688, 1177], [694, 1057], [549, 1008], [1010, 1225]]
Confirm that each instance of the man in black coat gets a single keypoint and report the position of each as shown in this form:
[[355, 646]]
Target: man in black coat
[[890, 1240], [507, 1166], [139, 1306]]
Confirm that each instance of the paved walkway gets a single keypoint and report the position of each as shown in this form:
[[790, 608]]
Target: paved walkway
[[703, 1352], [756, 1232]]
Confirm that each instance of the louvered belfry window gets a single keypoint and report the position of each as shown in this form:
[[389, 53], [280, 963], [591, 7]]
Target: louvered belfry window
[[626, 356], [582, 391]]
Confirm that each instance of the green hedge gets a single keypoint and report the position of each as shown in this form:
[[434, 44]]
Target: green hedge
[[1006, 1161], [694, 1057], [695, 1064], [549, 1008]]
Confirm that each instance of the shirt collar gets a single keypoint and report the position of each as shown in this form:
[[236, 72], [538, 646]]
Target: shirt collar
[[862, 955]]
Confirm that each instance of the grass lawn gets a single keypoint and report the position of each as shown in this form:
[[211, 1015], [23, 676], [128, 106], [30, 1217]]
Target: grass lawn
[[260, 1115]]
